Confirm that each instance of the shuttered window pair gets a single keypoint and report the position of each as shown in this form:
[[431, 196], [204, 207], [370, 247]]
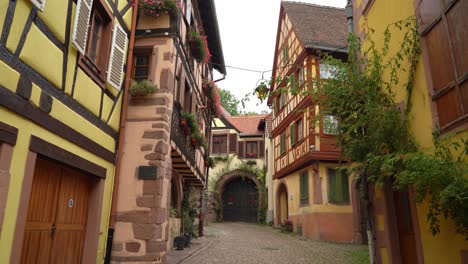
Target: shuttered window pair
[[81, 36], [296, 132], [304, 187], [219, 144], [338, 187]]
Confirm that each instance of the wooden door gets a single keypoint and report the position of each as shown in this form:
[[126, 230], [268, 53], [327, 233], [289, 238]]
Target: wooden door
[[57, 214], [406, 234], [240, 201]]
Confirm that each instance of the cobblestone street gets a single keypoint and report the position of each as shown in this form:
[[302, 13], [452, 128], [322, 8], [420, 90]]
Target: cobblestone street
[[251, 243]]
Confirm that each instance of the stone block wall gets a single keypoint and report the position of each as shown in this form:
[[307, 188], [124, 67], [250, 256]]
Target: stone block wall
[[142, 218]]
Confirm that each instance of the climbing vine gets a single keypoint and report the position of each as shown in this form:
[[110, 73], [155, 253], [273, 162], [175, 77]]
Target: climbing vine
[[373, 129]]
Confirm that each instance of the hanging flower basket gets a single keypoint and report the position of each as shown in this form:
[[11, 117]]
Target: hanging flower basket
[[185, 127], [157, 8], [213, 100], [198, 46]]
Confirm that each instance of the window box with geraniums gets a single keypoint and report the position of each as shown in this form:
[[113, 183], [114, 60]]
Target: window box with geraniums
[[198, 46], [158, 8], [187, 122], [142, 88], [212, 95]]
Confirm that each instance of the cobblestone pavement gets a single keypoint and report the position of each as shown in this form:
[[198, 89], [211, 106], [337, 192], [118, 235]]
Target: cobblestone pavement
[[250, 243]]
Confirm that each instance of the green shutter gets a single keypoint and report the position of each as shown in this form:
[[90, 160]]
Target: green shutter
[[332, 186], [304, 188], [292, 134], [345, 187]]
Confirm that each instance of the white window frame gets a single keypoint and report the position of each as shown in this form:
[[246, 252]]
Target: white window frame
[[330, 125]]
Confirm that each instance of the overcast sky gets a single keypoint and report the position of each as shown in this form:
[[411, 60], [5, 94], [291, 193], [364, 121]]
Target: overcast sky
[[248, 34]]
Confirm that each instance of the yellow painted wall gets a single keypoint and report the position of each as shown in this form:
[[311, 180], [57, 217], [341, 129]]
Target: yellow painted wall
[[293, 186], [25, 130], [444, 247], [44, 57]]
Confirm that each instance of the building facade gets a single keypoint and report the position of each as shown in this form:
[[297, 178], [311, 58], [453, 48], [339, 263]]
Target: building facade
[[60, 102], [159, 163], [308, 189], [439, 104], [236, 189]]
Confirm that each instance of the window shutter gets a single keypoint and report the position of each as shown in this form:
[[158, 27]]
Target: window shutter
[[261, 144], [345, 187], [292, 134], [40, 4], [232, 143], [240, 149], [332, 186], [117, 57], [80, 28]]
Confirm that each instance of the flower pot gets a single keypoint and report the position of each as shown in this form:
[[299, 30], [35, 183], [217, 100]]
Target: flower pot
[[194, 142], [185, 127], [179, 242], [188, 237]]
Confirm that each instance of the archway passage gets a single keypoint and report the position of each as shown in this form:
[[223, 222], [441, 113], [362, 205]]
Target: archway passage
[[240, 201]]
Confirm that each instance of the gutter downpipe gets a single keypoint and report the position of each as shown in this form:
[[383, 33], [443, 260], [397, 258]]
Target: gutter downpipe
[[364, 182], [123, 115]]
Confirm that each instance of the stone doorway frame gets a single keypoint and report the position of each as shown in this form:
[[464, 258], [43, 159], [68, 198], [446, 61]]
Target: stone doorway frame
[[235, 174]]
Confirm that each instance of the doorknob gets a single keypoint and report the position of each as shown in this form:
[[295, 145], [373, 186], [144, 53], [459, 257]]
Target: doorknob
[[52, 230]]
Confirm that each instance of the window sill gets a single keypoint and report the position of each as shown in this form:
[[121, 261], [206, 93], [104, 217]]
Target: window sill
[[97, 75]]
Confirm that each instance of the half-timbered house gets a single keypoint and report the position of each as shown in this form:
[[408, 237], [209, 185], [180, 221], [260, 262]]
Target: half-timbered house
[[61, 82], [307, 188], [160, 163]]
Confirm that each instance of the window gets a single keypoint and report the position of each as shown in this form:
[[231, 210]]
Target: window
[[327, 71], [251, 149], [141, 66], [292, 134], [446, 40], [300, 76], [304, 187], [330, 125], [338, 186], [92, 37], [282, 100], [299, 130], [283, 143], [219, 144]]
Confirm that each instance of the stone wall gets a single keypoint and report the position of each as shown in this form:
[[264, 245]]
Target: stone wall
[[142, 223]]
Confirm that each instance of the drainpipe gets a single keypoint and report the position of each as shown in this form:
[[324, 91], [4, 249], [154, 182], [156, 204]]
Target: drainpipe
[[123, 116]]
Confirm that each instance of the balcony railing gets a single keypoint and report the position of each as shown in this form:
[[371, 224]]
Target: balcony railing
[[183, 141]]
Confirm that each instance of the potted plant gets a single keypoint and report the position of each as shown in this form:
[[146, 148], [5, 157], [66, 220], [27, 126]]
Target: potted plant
[[142, 88], [179, 242], [198, 46], [157, 8], [187, 122]]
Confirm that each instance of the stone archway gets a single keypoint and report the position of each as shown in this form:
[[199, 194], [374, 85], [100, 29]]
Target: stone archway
[[281, 201], [231, 177]]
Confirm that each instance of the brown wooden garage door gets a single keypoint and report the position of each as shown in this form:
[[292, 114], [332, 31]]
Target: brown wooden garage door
[[57, 214]]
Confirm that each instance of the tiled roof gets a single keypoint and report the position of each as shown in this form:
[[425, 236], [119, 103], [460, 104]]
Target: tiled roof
[[321, 27], [247, 125]]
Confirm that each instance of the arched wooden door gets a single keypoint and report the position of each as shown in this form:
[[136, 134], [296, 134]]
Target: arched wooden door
[[240, 201]]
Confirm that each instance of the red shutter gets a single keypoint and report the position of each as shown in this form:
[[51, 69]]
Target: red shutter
[[240, 149], [261, 145], [232, 143]]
